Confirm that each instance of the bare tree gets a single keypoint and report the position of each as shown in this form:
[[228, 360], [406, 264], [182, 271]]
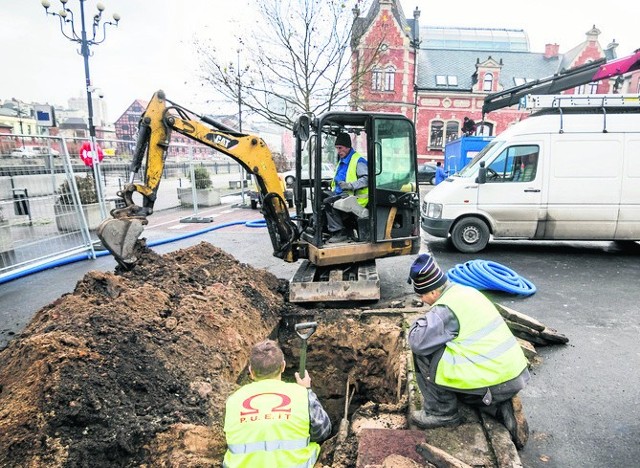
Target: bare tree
[[297, 60]]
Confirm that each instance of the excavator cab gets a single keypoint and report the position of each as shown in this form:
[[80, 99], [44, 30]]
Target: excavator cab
[[390, 224]]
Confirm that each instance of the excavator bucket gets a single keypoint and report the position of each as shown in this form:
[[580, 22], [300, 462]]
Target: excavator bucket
[[120, 236]]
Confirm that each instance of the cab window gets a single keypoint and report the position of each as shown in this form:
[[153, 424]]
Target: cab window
[[514, 164]]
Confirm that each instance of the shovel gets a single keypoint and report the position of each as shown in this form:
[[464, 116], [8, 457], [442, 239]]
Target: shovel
[[304, 331]]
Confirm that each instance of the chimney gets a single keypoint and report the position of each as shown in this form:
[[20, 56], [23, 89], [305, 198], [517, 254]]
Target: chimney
[[551, 50], [416, 28]]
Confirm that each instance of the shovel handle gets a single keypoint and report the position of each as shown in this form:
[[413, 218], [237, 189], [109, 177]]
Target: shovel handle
[[304, 331], [303, 358]]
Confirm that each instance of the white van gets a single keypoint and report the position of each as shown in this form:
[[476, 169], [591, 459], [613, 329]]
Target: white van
[[568, 172]]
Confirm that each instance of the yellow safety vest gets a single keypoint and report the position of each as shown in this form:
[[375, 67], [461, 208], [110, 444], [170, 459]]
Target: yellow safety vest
[[267, 425], [485, 352], [352, 175]]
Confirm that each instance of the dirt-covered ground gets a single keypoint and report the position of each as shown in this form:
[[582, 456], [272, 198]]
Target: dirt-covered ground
[[133, 368]]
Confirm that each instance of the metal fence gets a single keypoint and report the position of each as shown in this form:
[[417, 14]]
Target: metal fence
[[51, 202]]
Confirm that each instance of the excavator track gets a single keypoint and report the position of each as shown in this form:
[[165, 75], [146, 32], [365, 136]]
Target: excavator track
[[336, 283]]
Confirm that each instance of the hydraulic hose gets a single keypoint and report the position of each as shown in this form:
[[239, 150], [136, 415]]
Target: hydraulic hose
[[484, 274], [101, 253]]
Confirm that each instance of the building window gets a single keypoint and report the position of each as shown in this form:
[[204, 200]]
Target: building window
[[376, 82], [589, 88], [448, 80], [488, 82], [383, 79], [389, 78], [435, 140], [452, 130]]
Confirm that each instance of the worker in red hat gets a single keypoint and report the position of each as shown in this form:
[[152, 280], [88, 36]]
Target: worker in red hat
[[464, 352]]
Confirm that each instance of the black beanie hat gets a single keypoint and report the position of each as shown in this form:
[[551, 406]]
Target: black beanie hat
[[426, 275], [343, 139]]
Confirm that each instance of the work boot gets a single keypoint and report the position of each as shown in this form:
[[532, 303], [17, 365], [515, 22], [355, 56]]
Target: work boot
[[511, 414], [431, 421], [337, 237]]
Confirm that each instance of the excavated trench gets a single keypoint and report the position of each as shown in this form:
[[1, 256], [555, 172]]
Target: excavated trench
[[367, 351]]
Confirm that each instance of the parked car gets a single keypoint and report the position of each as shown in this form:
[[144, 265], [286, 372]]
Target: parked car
[[328, 171], [24, 152], [45, 151], [427, 173]]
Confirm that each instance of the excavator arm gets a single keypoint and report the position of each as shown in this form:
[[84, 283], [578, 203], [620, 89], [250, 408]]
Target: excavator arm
[[120, 233]]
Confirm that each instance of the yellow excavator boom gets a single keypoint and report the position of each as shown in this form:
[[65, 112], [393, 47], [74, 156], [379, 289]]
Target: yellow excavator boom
[[120, 233]]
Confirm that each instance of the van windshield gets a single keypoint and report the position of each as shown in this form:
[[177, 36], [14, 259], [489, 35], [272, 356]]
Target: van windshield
[[471, 168]]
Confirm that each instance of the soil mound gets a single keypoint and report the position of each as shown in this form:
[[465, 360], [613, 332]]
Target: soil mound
[[133, 368]]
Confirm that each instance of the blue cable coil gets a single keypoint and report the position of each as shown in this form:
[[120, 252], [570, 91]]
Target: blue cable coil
[[484, 274]]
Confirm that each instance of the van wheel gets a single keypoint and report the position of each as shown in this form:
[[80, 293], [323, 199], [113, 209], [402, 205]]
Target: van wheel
[[254, 204], [470, 235]]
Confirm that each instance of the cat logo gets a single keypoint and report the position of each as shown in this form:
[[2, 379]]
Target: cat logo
[[221, 140]]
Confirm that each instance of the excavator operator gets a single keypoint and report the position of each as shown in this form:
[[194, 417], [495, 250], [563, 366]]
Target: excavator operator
[[349, 189]]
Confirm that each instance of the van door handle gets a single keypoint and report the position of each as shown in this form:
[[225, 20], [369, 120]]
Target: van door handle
[[531, 190]]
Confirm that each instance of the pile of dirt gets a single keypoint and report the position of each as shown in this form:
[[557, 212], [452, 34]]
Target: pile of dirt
[[134, 367]]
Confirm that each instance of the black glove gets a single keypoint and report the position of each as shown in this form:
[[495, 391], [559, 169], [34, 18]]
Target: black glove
[[345, 185]]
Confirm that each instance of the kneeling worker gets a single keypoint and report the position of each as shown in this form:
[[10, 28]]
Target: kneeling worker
[[464, 351], [270, 422]]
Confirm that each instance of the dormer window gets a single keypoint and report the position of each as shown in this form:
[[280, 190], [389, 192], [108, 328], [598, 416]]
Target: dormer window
[[446, 80], [488, 82]]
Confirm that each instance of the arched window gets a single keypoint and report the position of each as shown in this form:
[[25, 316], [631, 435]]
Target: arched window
[[435, 139], [488, 82], [389, 78]]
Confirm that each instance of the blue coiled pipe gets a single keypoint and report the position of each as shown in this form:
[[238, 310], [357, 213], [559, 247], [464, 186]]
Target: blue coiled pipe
[[485, 274]]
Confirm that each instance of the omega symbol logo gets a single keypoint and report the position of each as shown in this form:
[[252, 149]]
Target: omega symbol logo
[[283, 407]]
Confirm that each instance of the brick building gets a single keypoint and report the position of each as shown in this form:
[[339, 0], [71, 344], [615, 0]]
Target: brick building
[[438, 75], [126, 128]]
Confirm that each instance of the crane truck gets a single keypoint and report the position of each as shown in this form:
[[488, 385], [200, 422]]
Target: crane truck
[[344, 271]]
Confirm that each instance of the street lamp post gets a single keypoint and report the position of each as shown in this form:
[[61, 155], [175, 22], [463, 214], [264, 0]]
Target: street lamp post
[[239, 75], [68, 29]]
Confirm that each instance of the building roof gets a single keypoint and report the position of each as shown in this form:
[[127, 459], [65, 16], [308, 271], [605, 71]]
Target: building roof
[[456, 38], [462, 64]]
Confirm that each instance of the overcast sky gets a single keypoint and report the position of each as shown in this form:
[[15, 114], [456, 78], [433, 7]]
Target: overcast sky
[[152, 47]]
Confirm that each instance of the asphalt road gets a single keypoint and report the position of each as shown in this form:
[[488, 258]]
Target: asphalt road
[[582, 402]]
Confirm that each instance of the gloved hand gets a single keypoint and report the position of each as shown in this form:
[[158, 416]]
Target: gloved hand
[[345, 185]]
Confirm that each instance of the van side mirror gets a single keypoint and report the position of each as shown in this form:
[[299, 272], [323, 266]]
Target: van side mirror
[[482, 174]]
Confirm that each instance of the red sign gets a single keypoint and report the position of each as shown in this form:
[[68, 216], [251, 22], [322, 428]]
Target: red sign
[[85, 154]]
